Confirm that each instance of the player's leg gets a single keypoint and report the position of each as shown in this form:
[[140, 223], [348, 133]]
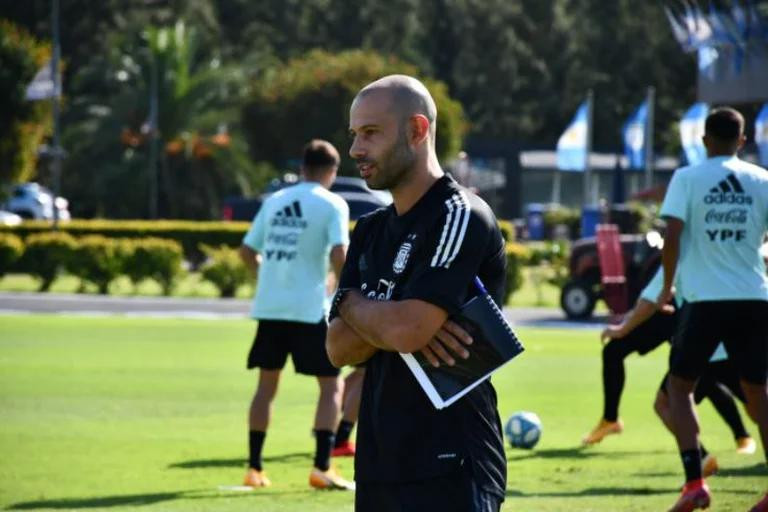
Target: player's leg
[[748, 350], [353, 387], [268, 354], [709, 465], [722, 400], [643, 339], [694, 343], [310, 358]]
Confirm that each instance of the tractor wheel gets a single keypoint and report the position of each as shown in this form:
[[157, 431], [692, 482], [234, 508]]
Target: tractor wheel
[[577, 300]]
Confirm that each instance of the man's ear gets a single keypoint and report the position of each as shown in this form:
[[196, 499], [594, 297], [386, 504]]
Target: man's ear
[[742, 141], [419, 125]]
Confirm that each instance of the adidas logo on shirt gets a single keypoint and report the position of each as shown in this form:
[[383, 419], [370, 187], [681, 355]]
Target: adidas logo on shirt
[[290, 217], [728, 191]]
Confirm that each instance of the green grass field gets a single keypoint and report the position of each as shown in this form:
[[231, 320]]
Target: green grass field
[[150, 414]]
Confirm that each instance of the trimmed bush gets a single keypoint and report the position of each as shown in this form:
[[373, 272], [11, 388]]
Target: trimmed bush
[[154, 258], [191, 235], [561, 215], [97, 260], [46, 255], [517, 257], [224, 269], [11, 249]]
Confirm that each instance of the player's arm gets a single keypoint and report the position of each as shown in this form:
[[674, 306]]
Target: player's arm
[[250, 257], [670, 253], [338, 256], [675, 211], [643, 310]]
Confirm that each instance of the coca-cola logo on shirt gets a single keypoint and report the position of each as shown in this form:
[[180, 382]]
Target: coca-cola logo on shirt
[[732, 216]]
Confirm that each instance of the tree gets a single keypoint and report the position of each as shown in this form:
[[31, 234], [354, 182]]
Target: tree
[[25, 123], [310, 97], [201, 156]]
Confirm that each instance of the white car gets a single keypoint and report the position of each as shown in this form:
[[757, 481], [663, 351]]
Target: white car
[[33, 201], [9, 218]]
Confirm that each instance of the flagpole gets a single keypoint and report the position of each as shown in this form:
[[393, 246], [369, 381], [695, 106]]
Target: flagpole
[[153, 138], [57, 151], [648, 139], [556, 186], [588, 164]]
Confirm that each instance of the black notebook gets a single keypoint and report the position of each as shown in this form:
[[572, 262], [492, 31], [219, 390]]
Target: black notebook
[[494, 344]]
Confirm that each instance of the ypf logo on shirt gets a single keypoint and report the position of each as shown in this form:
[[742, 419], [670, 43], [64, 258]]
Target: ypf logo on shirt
[[728, 191]]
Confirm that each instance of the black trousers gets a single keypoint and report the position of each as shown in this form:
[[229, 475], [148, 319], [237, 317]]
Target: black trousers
[[456, 492]]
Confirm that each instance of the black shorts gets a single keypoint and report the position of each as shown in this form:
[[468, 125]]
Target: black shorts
[[456, 492], [275, 339], [658, 329], [740, 324], [717, 373]]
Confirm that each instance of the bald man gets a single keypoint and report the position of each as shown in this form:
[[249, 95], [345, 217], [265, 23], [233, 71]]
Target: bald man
[[410, 266]]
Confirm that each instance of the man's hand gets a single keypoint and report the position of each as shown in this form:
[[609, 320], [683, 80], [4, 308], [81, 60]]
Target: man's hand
[[662, 303], [612, 332], [449, 339]]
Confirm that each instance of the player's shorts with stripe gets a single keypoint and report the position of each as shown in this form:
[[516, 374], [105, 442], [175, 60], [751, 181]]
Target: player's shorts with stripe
[[740, 324], [305, 342]]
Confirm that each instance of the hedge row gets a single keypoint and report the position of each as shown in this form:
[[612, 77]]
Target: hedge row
[[99, 260], [191, 235], [93, 258]]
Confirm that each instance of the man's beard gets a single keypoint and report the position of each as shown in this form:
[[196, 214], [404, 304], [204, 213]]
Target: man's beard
[[393, 167]]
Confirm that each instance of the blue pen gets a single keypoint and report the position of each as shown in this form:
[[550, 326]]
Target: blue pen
[[480, 286]]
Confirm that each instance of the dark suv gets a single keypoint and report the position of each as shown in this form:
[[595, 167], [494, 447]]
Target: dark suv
[[359, 197]]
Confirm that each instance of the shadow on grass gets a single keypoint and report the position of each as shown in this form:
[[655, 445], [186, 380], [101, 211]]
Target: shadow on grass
[[593, 491], [130, 500], [575, 453], [137, 500], [239, 462], [758, 469]]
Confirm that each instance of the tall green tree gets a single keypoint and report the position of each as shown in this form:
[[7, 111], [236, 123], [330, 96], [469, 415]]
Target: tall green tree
[[24, 123], [201, 156], [310, 96]]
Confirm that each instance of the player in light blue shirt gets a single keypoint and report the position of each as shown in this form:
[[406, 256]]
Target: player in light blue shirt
[[297, 235], [717, 217]]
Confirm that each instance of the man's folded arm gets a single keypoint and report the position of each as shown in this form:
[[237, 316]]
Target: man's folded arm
[[403, 326], [345, 346]]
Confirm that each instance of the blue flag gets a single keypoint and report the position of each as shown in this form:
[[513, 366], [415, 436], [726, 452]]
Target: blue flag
[[691, 132], [572, 144], [761, 135], [633, 134]]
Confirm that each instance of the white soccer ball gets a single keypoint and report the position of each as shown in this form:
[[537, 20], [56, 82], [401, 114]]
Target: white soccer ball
[[523, 429]]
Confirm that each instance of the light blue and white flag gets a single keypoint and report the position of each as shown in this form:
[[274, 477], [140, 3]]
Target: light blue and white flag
[[761, 135], [41, 87], [572, 144], [691, 132], [633, 134]]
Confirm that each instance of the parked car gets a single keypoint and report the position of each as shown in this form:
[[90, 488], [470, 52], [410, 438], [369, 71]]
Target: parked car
[[9, 218], [642, 257], [33, 201], [359, 197]]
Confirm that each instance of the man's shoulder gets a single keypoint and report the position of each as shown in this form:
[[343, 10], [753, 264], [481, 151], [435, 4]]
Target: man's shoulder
[[456, 197], [370, 219], [754, 171]]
